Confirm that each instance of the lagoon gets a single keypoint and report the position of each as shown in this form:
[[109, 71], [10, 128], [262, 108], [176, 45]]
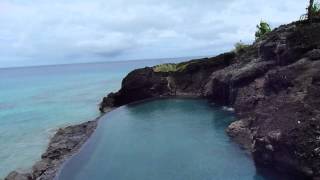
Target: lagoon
[[172, 139]]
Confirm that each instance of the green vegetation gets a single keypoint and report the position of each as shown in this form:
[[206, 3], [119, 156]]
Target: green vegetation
[[165, 68], [263, 28], [171, 67], [313, 10], [240, 47]]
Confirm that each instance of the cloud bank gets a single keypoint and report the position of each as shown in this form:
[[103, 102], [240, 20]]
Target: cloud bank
[[37, 32]]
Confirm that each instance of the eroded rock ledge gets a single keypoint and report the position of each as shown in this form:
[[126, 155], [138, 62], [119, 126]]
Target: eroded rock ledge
[[273, 85], [64, 143]]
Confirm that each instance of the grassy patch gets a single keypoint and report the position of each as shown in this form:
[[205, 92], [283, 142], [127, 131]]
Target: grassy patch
[[196, 64], [171, 67], [165, 68]]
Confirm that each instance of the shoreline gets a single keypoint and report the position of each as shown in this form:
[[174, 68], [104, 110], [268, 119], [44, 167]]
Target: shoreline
[[65, 143], [68, 141], [273, 86]]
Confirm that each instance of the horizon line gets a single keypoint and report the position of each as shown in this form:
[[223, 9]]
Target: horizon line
[[97, 62]]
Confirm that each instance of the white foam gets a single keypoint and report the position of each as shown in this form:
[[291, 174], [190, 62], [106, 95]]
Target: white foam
[[226, 108]]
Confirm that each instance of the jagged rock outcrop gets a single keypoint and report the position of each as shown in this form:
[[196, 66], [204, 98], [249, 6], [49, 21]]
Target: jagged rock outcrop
[[64, 143], [146, 83], [273, 85]]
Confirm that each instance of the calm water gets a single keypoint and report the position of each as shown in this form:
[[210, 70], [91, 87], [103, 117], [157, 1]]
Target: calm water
[[162, 140], [35, 101]]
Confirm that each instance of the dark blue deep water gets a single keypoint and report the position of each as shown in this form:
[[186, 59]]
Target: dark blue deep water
[[170, 139]]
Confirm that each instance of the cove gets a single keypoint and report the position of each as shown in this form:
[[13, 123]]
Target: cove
[[167, 139]]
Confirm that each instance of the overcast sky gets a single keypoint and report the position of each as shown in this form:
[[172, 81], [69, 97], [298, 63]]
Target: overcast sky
[[34, 32]]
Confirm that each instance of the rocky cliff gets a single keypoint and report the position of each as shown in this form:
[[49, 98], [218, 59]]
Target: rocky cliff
[[273, 85]]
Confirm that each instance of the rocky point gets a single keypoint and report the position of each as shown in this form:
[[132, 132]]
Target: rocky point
[[273, 85]]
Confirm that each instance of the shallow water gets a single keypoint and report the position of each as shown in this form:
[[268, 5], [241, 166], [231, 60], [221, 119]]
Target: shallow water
[[35, 101], [171, 139]]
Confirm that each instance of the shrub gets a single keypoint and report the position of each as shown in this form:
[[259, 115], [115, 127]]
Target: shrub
[[263, 28], [171, 67], [240, 47], [165, 68], [314, 10]]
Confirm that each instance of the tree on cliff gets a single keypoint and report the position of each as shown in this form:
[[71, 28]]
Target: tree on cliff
[[263, 28], [313, 10]]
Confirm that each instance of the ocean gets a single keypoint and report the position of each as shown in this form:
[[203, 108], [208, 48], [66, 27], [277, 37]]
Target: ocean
[[36, 101]]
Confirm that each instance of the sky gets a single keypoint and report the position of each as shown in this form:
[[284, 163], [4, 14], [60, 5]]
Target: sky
[[38, 32]]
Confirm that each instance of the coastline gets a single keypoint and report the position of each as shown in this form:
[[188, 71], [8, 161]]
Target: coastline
[[273, 87], [66, 142], [63, 145], [69, 140]]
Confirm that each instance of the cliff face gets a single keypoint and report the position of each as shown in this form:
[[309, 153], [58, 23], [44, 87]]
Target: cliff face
[[274, 86], [147, 83]]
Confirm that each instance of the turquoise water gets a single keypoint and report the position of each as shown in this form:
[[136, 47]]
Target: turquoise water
[[171, 139], [35, 101]]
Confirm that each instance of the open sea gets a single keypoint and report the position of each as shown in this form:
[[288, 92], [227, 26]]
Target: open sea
[[36, 101]]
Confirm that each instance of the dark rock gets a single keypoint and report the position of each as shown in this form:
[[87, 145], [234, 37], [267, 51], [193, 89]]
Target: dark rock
[[14, 175], [239, 131], [145, 83], [64, 143], [314, 54], [274, 87]]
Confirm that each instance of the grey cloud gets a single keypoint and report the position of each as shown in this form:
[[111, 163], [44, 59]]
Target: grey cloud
[[62, 31]]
